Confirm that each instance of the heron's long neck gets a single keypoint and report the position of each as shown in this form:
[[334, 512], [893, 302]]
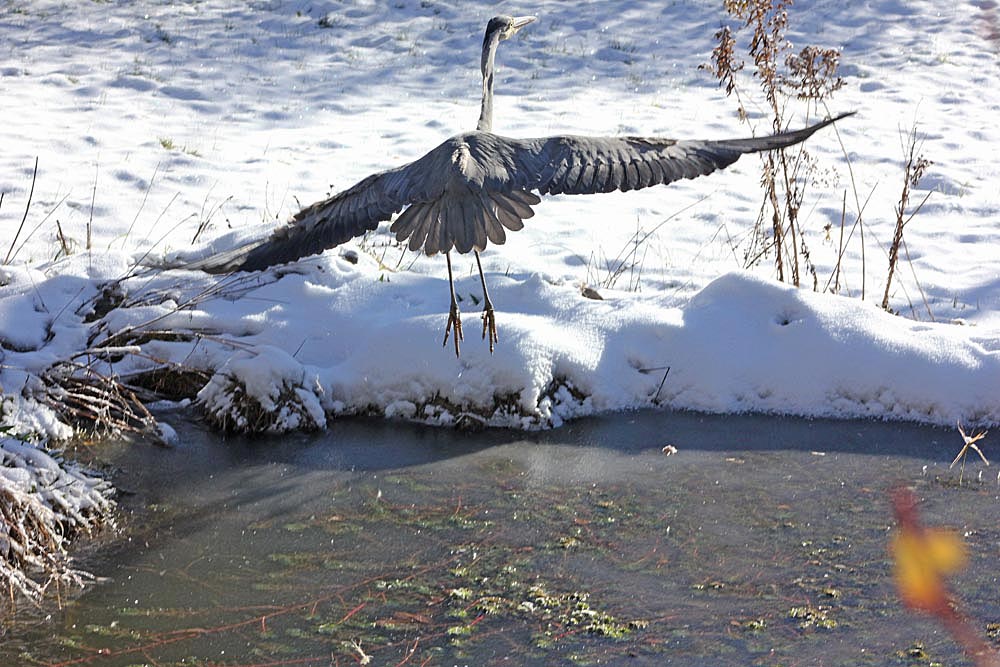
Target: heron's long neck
[[489, 55]]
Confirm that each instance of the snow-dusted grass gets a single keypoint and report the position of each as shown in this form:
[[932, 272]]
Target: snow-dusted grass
[[44, 503], [165, 131]]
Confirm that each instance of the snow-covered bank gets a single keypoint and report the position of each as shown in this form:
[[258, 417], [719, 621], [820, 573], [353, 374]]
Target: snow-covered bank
[[203, 120], [286, 349]]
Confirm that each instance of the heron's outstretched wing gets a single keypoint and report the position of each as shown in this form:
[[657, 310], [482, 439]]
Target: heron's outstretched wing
[[488, 182], [587, 165], [329, 222], [446, 206], [474, 186]]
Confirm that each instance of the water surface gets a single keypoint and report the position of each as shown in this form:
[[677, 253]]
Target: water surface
[[761, 541]]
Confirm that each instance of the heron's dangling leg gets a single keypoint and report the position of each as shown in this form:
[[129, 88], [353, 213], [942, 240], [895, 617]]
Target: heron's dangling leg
[[489, 321], [454, 316]]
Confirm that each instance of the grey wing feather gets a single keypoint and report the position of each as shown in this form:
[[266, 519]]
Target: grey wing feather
[[333, 221], [586, 165], [327, 223]]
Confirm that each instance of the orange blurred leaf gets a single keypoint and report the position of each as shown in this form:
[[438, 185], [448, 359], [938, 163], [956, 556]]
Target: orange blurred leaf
[[923, 558]]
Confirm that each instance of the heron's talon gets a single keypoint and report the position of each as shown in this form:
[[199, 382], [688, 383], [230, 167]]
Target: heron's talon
[[454, 322], [490, 327]]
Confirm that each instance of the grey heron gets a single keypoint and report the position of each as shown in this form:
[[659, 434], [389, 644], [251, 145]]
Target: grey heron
[[476, 186]]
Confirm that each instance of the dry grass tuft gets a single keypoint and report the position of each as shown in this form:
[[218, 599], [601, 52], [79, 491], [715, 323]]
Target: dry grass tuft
[[914, 170], [44, 503], [89, 400], [230, 407]]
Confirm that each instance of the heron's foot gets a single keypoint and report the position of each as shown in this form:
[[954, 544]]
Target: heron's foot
[[490, 326], [454, 322]]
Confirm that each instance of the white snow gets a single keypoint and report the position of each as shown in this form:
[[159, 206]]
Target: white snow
[[176, 129]]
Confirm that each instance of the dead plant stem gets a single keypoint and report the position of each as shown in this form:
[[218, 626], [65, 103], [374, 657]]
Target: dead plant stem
[[27, 207]]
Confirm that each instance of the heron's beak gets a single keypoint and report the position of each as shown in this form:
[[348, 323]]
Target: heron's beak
[[521, 21]]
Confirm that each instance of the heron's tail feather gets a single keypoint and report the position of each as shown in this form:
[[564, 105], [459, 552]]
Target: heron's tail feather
[[465, 222]]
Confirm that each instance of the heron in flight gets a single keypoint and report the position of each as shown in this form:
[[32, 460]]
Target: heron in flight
[[476, 186]]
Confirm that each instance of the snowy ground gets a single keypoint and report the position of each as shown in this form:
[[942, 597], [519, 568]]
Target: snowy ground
[[160, 126]]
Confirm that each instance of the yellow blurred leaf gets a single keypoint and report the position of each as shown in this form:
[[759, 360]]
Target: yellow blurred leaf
[[923, 558]]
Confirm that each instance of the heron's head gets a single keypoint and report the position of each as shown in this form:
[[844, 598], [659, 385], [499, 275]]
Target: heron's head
[[505, 27]]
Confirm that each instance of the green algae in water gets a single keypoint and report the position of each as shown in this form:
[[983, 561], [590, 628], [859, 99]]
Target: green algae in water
[[812, 617]]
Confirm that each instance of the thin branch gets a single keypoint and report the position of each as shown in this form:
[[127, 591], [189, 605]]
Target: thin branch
[[142, 204], [27, 207], [93, 200]]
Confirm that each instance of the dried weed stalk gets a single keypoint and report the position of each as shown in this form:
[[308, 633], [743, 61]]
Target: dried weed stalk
[[809, 75], [913, 172]]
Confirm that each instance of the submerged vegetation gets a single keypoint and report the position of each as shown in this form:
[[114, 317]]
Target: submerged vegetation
[[475, 561]]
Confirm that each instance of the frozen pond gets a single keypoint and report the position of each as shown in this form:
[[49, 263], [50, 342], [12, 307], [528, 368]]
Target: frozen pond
[[761, 541]]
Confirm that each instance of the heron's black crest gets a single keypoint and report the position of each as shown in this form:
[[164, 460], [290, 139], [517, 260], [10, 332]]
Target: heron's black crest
[[497, 25], [505, 27]]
